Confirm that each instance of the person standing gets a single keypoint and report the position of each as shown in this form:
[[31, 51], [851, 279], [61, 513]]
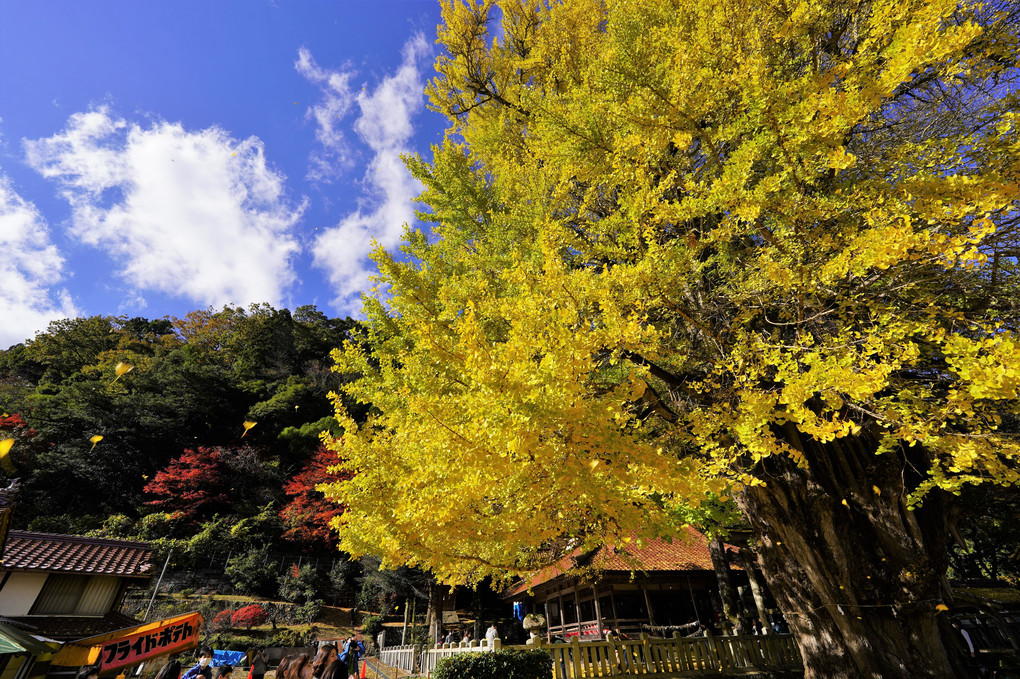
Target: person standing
[[491, 634], [201, 668], [259, 664], [354, 649]]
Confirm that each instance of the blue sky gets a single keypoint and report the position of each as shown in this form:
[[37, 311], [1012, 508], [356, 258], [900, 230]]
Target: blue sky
[[163, 156]]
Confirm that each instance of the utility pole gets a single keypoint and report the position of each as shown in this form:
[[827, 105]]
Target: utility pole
[[158, 583]]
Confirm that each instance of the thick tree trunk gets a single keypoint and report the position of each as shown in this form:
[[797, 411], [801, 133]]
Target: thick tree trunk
[[437, 604], [727, 592], [747, 561], [856, 573]]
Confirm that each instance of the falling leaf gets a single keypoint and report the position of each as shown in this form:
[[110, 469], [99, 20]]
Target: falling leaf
[[5, 459], [593, 464], [122, 369], [878, 491], [95, 439], [846, 504], [941, 608], [248, 424]]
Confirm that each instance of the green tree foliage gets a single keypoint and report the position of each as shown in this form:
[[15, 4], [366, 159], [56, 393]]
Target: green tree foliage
[[684, 250], [192, 383], [252, 573], [300, 585]]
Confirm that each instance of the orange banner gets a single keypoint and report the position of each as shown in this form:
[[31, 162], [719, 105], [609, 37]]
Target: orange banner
[[134, 645], [170, 638]]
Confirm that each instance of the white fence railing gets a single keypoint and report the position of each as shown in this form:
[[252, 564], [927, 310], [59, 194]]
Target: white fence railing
[[404, 657], [676, 657], [432, 656]]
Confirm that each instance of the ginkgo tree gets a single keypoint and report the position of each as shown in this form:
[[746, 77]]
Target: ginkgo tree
[[682, 249]]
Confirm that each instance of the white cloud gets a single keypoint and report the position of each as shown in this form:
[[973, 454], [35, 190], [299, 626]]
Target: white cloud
[[197, 215], [385, 126], [29, 268], [337, 99]]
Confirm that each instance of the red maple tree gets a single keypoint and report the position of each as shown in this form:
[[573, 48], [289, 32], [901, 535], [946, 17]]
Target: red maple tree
[[249, 616], [195, 484], [13, 423], [308, 513], [223, 619]]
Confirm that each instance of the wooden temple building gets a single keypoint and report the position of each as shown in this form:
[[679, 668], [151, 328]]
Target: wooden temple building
[[657, 588]]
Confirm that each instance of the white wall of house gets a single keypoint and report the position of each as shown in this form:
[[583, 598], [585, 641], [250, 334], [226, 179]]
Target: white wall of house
[[20, 592]]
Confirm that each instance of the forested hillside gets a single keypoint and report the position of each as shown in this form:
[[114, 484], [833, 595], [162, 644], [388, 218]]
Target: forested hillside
[[168, 429]]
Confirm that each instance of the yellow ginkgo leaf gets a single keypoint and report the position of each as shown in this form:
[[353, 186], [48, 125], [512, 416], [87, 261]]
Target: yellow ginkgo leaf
[[593, 464], [846, 504], [122, 369], [941, 608], [95, 439], [878, 491], [5, 458], [248, 424]]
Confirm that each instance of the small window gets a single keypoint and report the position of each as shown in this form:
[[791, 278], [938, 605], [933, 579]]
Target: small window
[[606, 607], [59, 595], [569, 611], [630, 606], [76, 595]]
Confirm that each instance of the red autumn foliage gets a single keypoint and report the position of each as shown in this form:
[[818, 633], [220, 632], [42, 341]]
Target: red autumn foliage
[[13, 423], [14, 427], [308, 513], [196, 484], [249, 616], [223, 619]]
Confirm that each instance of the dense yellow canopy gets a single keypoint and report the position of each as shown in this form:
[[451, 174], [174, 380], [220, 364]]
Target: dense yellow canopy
[[669, 238]]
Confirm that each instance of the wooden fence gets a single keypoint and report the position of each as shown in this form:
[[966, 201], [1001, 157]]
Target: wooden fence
[[676, 657]]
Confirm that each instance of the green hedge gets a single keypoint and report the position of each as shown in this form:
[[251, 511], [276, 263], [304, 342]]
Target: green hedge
[[503, 664]]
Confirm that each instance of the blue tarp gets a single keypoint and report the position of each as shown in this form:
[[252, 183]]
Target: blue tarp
[[233, 658]]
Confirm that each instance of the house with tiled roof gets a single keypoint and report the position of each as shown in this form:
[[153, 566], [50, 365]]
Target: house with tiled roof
[[655, 586], [59, 602], [68, 587]]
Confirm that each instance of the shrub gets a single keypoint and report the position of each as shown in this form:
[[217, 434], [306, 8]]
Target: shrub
[[371, 626], [231, 642], [502, 664], [249, 616], [251, 574], [222, 619], [286, 638], [308, 612], [301, 585]]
